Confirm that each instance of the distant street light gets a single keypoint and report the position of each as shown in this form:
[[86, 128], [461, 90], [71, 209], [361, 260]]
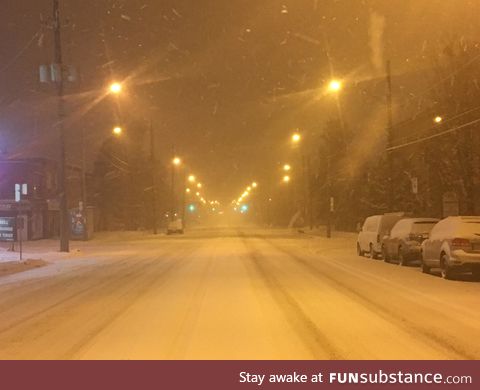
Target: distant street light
[[254, 184], [199, 185], [287, 167], [286, 179], [117, 130], [188, 190], [296, 137], [438, 119], [335, 86], [191, 179], [116, 88], [176, 161]]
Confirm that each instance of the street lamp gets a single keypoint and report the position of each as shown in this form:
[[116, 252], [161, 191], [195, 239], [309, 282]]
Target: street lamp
[[254, 184], [117, 130], [286, 179], [287, 167], [438, 119], [176, 162], [191, 179], [199, 185], [335, 85], [115, 88], [296, 137]]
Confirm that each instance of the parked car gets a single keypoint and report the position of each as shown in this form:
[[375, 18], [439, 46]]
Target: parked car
[[175, 226], [373, 230], [453, 246], [403, 244]]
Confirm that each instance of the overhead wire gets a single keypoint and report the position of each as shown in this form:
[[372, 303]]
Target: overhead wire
[[413, 142]]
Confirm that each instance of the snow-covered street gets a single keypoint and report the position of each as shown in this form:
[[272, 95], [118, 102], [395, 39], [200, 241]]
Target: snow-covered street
[[234, 293]]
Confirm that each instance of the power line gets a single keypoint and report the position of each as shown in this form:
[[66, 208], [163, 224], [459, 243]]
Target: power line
[[20, 53], [444, 121], [392, 148]]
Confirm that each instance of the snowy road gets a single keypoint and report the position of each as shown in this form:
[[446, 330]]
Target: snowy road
[[237, 294]]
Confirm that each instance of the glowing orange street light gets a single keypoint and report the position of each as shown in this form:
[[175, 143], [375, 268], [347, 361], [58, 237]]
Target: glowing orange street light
[[254, 184], [286, 179], [117, 130], [191, 179], [296, 137], [287, 167], [335, 86], [176, 161], [438, 119], [116, 88]]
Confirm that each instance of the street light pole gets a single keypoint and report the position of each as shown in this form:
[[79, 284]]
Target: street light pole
[[389, 136], [184, 199], [84, 189], [154, 178], [172, 186], [64, 223]]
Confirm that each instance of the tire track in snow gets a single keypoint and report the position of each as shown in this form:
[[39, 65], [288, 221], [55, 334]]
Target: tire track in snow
[[123, 282], [384, 312], [305, 327]]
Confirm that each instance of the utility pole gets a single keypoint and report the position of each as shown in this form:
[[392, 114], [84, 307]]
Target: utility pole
[[330, 204], [184, 199], [84, 189], [172, 186], [58, 65], [154, 178], [311, 211], [389, 136]]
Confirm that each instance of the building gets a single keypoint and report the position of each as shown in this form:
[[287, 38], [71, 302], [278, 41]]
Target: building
[[29, 188]]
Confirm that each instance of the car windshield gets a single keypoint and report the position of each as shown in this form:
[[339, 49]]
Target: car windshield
[[470, 228], [422, 226]]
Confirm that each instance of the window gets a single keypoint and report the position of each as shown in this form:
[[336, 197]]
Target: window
[[401, 228]]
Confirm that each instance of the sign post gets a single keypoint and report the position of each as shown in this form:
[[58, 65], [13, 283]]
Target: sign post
[[20, 226]]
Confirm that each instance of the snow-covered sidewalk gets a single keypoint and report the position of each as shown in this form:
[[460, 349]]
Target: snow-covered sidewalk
[[43, 252]]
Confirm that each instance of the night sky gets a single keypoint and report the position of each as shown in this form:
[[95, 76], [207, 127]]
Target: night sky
[[225, 81]]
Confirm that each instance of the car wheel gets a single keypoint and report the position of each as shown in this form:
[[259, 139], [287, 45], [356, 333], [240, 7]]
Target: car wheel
[[385, 256], [446, 270], [401, 258], [425, 268], [359, 250]]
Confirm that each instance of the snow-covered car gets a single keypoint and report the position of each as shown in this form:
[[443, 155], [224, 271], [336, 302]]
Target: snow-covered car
[[373, 230], [453, 246], [175, 226], [405, 239]]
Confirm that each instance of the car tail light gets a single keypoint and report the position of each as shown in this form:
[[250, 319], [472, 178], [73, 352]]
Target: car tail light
[[461, 243]]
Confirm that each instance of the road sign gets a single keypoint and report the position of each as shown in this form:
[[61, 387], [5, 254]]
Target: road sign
[[8, 231], [414, 185]]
